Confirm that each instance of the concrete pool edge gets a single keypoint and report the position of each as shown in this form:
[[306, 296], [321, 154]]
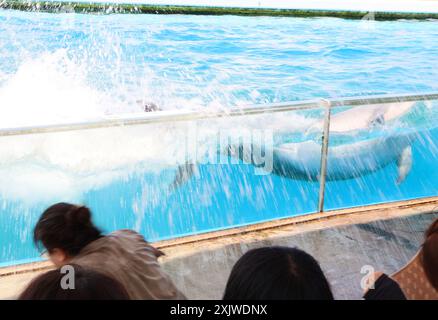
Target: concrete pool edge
[[294, 225], [108, 8], [304, 222]]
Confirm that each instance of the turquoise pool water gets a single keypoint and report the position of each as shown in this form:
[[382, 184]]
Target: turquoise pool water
[[71, 67]]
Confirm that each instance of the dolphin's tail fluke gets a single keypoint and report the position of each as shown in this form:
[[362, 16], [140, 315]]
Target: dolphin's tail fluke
[[404, 164]]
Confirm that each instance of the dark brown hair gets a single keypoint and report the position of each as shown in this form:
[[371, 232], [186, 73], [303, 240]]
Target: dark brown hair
[[429, 254], [277, 273], [88, 285], [65, 226]]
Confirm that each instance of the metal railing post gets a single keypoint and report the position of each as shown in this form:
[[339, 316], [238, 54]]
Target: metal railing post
[[324, 155]]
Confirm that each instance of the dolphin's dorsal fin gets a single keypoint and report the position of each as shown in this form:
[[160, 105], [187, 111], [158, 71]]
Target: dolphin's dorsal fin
[[404, 164], [183, 174]]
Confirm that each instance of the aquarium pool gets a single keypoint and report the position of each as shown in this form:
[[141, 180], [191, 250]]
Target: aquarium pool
[[71, 67]]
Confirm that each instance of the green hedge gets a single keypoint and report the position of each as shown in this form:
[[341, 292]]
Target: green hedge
[[162, 9]]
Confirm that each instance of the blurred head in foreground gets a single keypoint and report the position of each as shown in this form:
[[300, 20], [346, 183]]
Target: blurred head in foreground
[[74, 283], [277, 273]]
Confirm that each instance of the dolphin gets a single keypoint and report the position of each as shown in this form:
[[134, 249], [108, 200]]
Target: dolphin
[[302, 161]]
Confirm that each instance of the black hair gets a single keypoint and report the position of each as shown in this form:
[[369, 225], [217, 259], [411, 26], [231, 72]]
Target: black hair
[[277, 273], [88, 285], [65, 226]]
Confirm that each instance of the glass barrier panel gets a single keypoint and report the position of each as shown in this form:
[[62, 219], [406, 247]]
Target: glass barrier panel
[[164, 180], [381, 153]]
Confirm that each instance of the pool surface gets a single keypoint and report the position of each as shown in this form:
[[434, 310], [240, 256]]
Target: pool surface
[[71, 67], [94, 64]]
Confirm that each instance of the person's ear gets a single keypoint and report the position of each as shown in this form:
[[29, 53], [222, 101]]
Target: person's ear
[[58, 257]]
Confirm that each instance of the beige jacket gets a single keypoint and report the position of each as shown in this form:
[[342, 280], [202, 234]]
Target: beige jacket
[[126, 256]]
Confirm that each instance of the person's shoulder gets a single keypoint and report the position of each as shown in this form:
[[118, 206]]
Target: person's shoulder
[[126, 232], [127, 235], [135, 240]]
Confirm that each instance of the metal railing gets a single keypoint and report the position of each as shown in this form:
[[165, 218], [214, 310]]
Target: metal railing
[[187, 115], [190, 115]]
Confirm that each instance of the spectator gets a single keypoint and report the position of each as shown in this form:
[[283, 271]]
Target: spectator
[[69, 236], [277, 273], [429, 254], [83, 284], [418, 280]]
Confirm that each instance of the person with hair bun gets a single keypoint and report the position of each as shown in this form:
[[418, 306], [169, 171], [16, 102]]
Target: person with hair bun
[[69, 236]]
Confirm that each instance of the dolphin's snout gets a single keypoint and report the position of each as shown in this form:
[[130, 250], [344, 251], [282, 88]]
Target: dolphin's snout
[[150, 107]]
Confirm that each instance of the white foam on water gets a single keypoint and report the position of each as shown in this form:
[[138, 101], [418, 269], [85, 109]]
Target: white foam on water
[[53, 89], [50, 89]]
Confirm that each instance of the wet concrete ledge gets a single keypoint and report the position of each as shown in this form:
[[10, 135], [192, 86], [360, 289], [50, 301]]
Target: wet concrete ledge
[[383, 236], [124, 8]]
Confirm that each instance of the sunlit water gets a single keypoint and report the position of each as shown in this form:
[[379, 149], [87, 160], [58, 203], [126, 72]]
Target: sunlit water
[[71, 67]]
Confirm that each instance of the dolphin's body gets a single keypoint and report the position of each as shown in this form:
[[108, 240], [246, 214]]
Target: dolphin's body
[[364, 117], [302, 161]]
